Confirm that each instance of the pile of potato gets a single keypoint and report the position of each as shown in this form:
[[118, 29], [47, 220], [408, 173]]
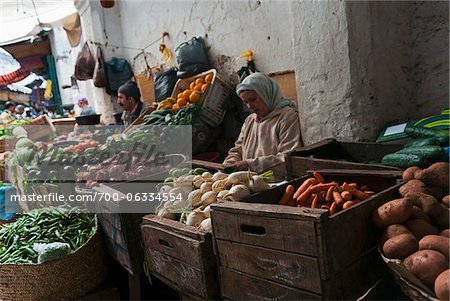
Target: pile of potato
[[416, 226]]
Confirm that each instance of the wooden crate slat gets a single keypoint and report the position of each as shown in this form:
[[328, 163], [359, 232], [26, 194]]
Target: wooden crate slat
[[240, 286], [282, 267], [173, 244], [275, 233], [174, 226], [175, 273]]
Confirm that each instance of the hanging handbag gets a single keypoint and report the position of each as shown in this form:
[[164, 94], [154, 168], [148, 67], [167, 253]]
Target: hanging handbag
[[85, 64], [99, 70]]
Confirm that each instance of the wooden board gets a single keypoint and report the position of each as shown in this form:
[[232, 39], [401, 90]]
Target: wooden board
[[240, 286], [286, 81], [282, 267], [330, 153], [181, 256]]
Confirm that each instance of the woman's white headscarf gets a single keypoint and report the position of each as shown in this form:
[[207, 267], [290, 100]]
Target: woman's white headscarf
[[266, 88]]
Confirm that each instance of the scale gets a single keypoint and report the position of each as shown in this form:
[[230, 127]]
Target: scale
[[397, 131]]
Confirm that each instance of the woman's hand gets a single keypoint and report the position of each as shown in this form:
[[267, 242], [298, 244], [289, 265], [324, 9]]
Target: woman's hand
[[240, 165]]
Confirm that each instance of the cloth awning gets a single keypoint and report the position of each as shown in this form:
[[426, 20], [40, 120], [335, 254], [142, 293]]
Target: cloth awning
[[22, 18]]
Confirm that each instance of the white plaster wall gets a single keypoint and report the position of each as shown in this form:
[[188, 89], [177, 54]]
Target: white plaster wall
[[322, 69], [361, 65], [430, 58], [228, 27]]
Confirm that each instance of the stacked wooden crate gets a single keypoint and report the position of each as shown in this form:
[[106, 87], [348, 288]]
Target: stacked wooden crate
[[280, 252]]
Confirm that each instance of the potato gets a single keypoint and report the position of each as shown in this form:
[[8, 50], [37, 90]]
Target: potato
[[426, 265], [443, 220], [446, 200], [435, 242], [420, 228], [394, 230], [393, 212], [435, 191], [427, 202], [413, 186], [436, 175], [408, 174], [445, 233], [442, 285], [400, 246], [417, 212]]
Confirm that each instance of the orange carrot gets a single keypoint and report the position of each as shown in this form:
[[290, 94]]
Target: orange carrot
[[303, 198], [329, 195], [346, 195], [287, 195], [333, 208], [302, 188], [369, 192], [315, 201], [322, 186], [346, 186], [359, 194], [292, 203], [318, 177], [348, 204], [337, 198]]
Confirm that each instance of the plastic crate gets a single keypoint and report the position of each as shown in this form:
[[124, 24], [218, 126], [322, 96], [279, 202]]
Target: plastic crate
[[212, 100]]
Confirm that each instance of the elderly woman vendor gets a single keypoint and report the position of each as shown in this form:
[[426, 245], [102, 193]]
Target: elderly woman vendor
[[271, 131]]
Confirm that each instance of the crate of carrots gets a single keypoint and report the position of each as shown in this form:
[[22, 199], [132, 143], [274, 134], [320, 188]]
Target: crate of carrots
[[313, 233]]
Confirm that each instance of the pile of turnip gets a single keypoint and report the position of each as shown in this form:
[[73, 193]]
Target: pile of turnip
[[200, 191], [416, 226]]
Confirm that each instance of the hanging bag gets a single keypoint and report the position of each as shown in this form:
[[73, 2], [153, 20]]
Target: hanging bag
[[99, 70], [192, 58], [85, 64], [118, 71]]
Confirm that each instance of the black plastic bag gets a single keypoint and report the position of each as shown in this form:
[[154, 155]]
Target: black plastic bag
[[192, 58], [118, 71], [165, 83]]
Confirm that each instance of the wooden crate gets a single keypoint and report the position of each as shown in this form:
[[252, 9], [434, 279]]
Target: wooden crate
[[300, 253], [181, 256], [40, 129], [330, 153]]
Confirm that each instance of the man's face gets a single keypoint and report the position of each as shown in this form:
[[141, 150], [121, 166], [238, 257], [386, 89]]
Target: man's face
[[12, 109], [125, 102]]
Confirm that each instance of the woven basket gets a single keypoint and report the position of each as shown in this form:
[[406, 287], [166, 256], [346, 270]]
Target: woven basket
[[67, 278], [409, 284]]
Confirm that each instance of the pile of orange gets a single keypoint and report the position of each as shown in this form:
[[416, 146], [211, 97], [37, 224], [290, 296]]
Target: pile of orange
[[193, 93]]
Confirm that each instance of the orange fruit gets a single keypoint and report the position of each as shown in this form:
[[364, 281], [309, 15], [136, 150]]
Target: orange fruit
[[180, 95], [197, 88], [192, 86], [199, 81], [204, 87], [175, 106], [195, 96], [186, 93], [181, 102], [208, 78]]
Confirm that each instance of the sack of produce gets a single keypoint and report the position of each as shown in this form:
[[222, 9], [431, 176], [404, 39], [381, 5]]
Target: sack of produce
[[71, 251], [192, 58]]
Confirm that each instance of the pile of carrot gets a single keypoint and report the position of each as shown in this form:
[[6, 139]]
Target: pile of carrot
[[315, 192]]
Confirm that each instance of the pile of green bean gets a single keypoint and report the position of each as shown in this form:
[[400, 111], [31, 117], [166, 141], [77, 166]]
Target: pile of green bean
[[43, 226]]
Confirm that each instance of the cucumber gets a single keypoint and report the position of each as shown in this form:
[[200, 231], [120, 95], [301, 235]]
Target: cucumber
[[404, 160], [430, 151], [422, 142], [417, 132]]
